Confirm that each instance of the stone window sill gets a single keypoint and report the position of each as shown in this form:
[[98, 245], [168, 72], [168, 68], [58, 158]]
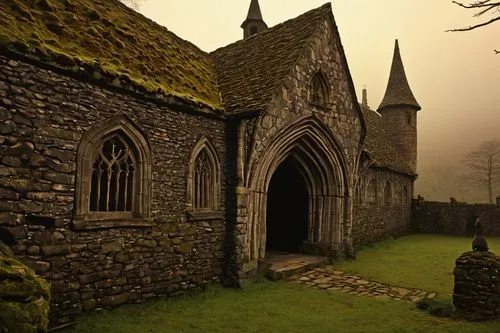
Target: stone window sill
[[91, 224], [204, 215]]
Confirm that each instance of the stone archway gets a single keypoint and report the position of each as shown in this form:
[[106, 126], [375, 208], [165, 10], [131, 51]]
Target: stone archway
[[320, 160]]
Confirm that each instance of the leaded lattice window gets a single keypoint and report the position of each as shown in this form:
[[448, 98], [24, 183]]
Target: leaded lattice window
[[113, 172]]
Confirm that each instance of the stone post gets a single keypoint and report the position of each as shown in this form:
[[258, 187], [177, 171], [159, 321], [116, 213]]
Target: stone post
[[476, 294]]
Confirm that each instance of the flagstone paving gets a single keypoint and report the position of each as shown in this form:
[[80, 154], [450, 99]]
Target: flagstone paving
[[328, 278]]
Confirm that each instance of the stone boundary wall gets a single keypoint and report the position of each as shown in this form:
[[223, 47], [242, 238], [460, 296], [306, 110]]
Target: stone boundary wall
[[43, 115], [454, 219]]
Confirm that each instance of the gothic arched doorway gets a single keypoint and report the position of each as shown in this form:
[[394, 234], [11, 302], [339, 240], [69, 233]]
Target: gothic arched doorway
[[287, 208]]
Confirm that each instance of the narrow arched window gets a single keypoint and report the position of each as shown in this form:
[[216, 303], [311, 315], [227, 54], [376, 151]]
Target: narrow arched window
[[113, 181], [358, 198], [204, 178], [404, 194], [388, 194], [371, 195], [319, 93]]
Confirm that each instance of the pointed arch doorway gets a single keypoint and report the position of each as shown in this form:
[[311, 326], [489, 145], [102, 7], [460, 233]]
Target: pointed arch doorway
[[287, 208]]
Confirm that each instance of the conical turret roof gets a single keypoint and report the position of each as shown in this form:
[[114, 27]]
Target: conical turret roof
[[254, 12], [398, 90]]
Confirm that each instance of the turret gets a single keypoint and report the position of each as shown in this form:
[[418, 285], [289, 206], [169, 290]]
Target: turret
[[254, 23], [399, 112]]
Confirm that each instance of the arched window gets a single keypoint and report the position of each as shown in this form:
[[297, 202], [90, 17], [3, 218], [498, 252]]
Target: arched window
[[404, 195], [319, 93], [388, 194], [204, 178], [253, 30], [371, 194], [113, 182], [408, 118], [358, 197]]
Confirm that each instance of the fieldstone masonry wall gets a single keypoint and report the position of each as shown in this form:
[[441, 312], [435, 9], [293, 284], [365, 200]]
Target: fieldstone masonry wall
[[43, 115], [454, 218], [375, 221], [476, 294]]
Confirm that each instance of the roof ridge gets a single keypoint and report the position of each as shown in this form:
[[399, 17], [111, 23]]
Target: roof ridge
[[277, 26]]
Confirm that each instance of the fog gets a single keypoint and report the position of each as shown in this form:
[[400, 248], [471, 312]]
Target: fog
[[454, 76]]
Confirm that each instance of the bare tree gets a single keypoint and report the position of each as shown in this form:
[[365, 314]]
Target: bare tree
[[135, 4], [484, 7], [484, 165]]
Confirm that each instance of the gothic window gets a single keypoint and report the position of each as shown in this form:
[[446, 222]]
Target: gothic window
[[319, 93], [404, 195], [358, 198], [253, 30], [204, 178], [113, 182], [388, 194], [371, 196]]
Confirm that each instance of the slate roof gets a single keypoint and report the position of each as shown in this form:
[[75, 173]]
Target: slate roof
[[378, 147], [251, 70], [398, 90], [106, 34]]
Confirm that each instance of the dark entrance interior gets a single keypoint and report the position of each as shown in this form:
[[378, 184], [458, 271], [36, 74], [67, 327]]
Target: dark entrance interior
[[287, 208]]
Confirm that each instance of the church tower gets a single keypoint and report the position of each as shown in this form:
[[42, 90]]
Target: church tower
[[254, 23], [399, 112]]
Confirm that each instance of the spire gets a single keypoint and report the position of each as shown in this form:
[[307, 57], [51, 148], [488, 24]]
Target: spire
[[254, 11], [254, 23], [398, 90]]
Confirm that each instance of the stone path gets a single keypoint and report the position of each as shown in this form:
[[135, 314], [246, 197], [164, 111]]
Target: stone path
[[328, 278]]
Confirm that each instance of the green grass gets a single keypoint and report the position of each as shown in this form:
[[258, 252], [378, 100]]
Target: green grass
[[415, 261], [273, 307]]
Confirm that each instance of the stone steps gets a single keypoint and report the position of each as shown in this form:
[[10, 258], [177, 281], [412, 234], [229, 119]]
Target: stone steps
[[283, 266]]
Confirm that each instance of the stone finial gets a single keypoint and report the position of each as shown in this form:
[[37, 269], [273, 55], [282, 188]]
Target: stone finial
[[479, 242], [365, 97]]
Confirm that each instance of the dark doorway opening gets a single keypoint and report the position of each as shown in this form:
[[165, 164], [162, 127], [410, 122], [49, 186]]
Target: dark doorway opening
[[287, 208]]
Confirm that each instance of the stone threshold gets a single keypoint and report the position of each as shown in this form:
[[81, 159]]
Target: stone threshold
[[328, 278], [284, 265]]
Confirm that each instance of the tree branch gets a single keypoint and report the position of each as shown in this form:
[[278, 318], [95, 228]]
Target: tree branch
[[472, 27]]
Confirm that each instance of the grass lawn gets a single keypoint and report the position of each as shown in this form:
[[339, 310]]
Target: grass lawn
[[418, 261], [273, 308]]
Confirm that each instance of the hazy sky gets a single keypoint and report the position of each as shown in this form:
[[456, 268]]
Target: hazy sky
[[454, 76]]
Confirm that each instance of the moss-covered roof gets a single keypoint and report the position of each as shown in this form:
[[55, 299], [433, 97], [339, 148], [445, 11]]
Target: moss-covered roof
[[114, 39]]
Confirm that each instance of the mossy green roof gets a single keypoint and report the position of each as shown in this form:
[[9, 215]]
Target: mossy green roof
[[114, 39]]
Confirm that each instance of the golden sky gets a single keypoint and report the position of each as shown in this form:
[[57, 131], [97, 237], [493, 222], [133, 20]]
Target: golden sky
[[454, 76]]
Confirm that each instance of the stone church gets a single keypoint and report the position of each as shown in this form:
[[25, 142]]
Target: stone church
[[134, 165]]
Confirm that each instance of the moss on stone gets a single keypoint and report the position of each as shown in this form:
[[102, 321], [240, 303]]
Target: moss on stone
[[24, 298], [109, 35]]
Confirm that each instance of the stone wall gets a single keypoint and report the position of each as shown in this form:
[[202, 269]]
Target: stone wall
[[43, 115], [374, 221], [476, 294], [454, 218]]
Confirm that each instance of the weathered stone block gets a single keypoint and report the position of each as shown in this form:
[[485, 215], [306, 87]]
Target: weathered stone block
[[9, 218], [41, 196], [60, 178], [55, 250], [115, 300]]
